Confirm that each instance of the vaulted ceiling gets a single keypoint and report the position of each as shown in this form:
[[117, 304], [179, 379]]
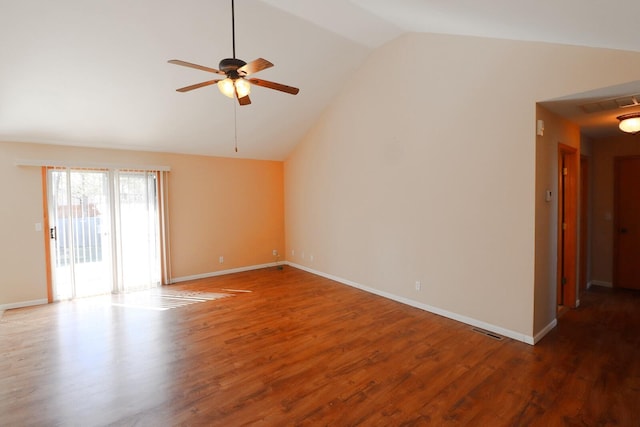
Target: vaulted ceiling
[[95, 73]]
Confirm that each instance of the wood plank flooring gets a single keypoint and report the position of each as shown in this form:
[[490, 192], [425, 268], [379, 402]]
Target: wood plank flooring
[[303, 350]]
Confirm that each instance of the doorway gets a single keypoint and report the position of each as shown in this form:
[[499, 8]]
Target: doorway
[[626, 270], [103, 231], [568, 164]]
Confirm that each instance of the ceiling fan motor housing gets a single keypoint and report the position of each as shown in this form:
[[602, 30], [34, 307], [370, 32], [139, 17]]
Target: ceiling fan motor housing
[[230, 66]]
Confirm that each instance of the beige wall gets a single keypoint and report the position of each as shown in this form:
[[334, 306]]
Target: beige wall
[[556, 131], [218, 207], [602, 181], [224, 207], [425, 169]]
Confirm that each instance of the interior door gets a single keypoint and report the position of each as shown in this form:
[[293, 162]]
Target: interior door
[[80, 232], [627, 223]]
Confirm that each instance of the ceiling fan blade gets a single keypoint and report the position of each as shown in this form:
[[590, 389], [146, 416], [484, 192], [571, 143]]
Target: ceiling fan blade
[[197, 86], [245, 100], [255, 66], [277, 86], [196, 66]]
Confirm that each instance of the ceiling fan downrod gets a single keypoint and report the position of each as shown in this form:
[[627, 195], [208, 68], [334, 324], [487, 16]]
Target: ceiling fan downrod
[[230, 65], [233, 28]]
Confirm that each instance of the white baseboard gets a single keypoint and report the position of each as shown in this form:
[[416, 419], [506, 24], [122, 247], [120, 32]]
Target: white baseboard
[[222, 272], [544, 331], [600, 283], [448, 314], [22, 304]]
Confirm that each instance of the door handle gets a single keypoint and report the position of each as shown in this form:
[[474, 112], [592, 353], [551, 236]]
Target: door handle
[[623, 230], [53, 233]]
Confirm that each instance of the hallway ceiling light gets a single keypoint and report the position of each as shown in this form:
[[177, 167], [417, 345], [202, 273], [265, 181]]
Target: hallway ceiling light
[[630, 123]]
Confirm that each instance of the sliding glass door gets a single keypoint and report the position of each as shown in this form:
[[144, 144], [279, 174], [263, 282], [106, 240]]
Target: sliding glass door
[[104, 231]]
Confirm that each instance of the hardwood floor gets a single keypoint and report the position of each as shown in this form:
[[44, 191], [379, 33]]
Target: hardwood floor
[[303, 350]]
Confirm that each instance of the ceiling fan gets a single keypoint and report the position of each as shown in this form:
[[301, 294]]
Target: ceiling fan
[[235, 84]]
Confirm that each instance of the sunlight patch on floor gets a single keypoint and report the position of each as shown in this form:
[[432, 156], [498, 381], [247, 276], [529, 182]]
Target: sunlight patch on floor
[[163, 299]]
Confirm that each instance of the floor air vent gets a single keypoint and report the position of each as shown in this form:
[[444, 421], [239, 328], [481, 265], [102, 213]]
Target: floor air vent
[[487, 333]]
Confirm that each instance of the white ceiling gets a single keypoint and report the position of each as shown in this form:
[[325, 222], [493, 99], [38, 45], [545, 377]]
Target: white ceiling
[[95, 72]]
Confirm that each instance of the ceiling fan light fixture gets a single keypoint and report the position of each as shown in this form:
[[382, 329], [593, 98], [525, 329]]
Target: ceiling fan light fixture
[[227, 88], [630, 123], [243, 87]]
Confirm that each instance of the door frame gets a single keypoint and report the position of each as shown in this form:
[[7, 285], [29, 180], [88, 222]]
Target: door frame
[[567, 225], [47, 235]]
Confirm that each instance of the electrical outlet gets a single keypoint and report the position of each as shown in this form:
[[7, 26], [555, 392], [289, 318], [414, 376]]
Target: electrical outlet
[[293, 252], [275, 252], [418, 285], [221, 259], [311, 258]]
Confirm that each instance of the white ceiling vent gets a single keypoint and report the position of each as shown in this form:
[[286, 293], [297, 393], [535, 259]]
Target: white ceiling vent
[[611, 104]]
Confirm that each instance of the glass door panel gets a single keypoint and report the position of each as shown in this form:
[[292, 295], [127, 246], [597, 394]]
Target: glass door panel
[[80, 222], [139, 230], [59, 233]]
